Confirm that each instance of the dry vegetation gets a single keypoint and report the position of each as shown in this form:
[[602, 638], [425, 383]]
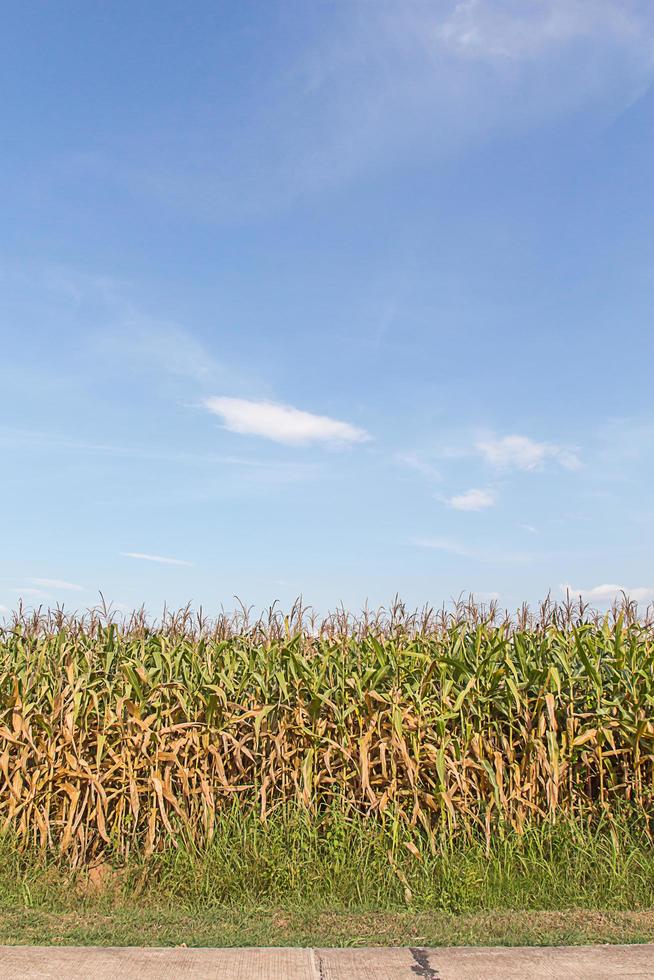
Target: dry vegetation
[[125, 738]]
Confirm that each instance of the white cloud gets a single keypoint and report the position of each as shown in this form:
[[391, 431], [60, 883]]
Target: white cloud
[[158, 558], [607, 593], [474, 499], [57, 584], [522, 453], [282, 423]]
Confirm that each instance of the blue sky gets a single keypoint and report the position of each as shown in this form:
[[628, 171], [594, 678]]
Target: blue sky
[[343, 298]]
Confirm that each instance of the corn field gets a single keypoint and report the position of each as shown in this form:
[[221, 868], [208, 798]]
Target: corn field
[[117, 736]]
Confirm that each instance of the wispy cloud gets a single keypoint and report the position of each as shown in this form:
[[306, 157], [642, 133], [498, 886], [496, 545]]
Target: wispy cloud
[[12, 437], [282, 423], [443, 544], [494, 556], [155, 345], [378, 80], [416, 462], [31, 593], [490, 30], [474, 499], [522, 453], [607, 593], [161, 559], [79, 286], [57, 584], [127, 333], [222, 475]]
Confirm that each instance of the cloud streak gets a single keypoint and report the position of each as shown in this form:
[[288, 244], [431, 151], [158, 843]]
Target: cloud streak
[[31, 593], [57, 584], [443, 544], [484, 556], [416, 462], [154, 345], [161, 559], [282, 423], [11, 438]]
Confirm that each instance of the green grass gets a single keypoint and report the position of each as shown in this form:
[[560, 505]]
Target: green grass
[[298, 882], [221, 927]]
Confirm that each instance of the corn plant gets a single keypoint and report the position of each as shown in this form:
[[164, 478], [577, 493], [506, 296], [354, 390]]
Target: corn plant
[[123, 736]]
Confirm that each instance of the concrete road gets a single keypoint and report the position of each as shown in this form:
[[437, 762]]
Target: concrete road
[[456, 963]]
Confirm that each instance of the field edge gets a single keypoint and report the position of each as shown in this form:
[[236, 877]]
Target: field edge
[[159, 927]]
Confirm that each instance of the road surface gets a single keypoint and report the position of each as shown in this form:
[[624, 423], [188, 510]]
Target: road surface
[[454, 963]]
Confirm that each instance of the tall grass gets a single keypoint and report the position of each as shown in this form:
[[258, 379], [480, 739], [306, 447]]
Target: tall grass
[[349, 863], [128, 738]]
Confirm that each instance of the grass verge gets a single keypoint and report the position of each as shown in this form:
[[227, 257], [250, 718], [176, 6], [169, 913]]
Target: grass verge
[[343, 881], [262, 927]]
